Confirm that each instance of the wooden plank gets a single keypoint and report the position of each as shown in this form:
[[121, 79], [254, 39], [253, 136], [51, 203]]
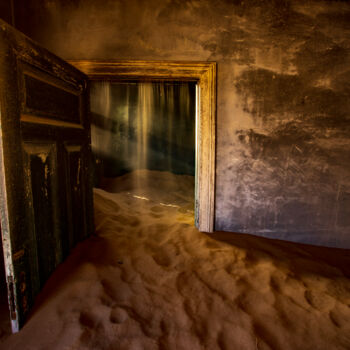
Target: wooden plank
[[47, 121]]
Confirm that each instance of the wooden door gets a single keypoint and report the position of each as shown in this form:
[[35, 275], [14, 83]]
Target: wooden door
[[45, 182]]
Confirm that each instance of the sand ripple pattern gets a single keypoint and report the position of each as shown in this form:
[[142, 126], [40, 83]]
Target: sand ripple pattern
[[149, 280]]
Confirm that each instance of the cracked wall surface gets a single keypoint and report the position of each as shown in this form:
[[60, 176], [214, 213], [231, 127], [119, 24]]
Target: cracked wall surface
[[283, 110]]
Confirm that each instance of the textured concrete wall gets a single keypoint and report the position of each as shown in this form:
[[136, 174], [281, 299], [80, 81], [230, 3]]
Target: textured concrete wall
[[283, 144]]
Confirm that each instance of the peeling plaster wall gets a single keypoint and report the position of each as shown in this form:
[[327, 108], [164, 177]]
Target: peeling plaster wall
[[283, 131]]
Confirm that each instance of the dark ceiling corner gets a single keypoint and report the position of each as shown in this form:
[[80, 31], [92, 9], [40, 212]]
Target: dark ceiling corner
[[7, 11]]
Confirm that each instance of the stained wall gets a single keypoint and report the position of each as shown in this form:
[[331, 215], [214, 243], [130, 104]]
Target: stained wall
[[143, 125], [283, 131]]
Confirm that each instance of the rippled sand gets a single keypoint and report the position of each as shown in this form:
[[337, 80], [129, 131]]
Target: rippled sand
[[150, 280]]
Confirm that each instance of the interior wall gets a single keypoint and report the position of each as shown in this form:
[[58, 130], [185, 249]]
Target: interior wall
[[6, 11], [283, 101], [143, 125]]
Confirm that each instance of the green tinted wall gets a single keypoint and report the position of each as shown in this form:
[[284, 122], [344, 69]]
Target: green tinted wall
[[143, 126]]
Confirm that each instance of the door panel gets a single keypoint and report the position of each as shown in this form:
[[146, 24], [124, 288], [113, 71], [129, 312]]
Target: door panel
[[46, 99], [45, 157], [76, 187], [40, 165]]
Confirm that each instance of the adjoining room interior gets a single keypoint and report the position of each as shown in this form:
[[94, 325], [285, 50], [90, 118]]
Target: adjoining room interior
[[143, 138]]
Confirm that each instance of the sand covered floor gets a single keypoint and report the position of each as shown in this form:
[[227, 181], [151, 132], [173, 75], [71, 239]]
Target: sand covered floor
[[150, 280]]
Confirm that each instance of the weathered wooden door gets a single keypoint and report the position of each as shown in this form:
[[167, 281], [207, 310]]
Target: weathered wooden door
[[45, 182]]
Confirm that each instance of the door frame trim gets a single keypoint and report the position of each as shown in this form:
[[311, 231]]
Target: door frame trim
[[204, 73]]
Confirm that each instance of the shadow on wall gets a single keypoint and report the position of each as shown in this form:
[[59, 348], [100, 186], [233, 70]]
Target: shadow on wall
[[143, 126]]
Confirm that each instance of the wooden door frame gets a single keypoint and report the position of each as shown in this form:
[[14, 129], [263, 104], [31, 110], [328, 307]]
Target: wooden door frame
[[204, 73]]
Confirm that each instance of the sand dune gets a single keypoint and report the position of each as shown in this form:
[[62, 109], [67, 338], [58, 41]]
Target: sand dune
[[150, 280]]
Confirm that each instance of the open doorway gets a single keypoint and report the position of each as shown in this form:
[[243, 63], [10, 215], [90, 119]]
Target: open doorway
[[204, 75], [143, 140]]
